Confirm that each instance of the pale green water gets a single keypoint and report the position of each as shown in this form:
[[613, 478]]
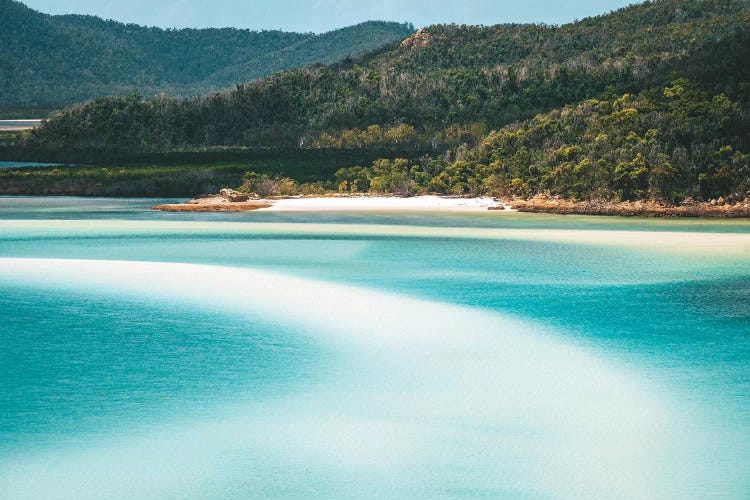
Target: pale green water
[[261, 360]]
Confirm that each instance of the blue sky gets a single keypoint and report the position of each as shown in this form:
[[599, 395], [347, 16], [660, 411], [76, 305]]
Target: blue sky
[[324, 15]]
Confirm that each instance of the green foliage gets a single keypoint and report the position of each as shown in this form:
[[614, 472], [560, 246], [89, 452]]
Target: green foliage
[[404, 177], [651, 101], [264, 185], [49, 61], [186, 180], [182, 180], [665, 144], [373, 137], [468, 78]]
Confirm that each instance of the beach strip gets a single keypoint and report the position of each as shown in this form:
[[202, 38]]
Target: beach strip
[[338, 204]]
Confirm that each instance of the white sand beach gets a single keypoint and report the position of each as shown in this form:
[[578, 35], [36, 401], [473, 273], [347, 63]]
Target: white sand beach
[[337, 204], [382, 203]]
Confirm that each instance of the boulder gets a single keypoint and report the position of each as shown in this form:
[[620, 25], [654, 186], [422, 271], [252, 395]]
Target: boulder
[[233, 196]]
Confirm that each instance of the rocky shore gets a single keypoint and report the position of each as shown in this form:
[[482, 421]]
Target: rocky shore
[[714, 208], [233, 201], [227, 201]]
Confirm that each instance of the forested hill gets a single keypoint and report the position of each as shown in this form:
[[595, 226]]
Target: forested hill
[[49, 61], [442, 77], [444, 89]]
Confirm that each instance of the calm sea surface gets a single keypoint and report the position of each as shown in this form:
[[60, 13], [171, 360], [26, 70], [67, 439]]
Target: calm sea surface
[[151, 355], [22, 164]]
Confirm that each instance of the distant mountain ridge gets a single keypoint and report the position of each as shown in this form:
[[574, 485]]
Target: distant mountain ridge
[[58, 60]]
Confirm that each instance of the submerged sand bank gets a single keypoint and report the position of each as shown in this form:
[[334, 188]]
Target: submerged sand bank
[[453, 374], [673, 242]]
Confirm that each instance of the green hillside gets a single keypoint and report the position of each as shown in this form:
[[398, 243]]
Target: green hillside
[[663, 144], [592, 108], [49, 61]]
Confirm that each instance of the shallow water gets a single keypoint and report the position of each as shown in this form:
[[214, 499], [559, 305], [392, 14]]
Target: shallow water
[[23, 164], [150, 355], [11, 125]]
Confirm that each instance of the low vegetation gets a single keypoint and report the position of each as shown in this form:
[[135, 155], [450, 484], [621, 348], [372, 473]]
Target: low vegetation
[[182, 180]]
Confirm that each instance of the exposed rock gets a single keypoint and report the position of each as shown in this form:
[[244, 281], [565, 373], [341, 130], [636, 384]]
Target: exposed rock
[[689, 202], [213, 204], [631, 208], [233, 196], [422, 38]]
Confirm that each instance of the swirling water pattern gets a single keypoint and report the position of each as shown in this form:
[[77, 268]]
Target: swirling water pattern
[[370, 356]]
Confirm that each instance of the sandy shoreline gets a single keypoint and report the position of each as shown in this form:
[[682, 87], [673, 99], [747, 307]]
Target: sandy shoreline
[[338, 203], [384, 203], [434, 203], [716, 209]]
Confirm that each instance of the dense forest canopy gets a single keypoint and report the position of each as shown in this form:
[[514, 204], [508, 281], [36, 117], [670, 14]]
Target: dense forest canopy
[[648, 101], [59, 60], [665, 144]]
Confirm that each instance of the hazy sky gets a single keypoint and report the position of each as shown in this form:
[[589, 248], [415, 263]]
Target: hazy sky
[[324, 15]]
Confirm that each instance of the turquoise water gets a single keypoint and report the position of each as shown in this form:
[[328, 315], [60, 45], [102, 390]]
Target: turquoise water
[[22, 164], [151, 355]]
